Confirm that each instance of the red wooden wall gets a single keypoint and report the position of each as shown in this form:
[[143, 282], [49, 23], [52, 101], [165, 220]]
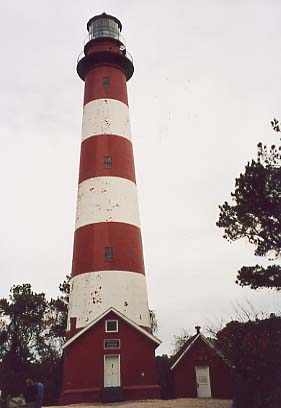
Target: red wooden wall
[[84, 364], [184, 375]]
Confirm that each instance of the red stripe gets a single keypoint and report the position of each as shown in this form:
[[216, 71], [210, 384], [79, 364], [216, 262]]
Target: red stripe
[[95, 148], [89, 248], [94, 88], [102, 45]]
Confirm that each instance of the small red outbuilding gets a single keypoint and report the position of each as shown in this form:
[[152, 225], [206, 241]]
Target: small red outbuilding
[[198, 369]]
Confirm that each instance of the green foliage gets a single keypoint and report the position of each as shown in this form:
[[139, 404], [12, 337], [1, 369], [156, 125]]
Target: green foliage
[[179, 340], [163, 366], [32, 331], [24, 314], [254, 348], [259, 277], [52, 335], [255, 215], [153, 321]]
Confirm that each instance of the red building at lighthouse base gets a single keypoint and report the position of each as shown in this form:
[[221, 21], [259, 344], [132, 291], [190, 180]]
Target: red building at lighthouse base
[[111, 359]]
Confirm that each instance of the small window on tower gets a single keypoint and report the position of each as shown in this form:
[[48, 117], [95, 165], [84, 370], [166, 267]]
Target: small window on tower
[[107, 162], [108, 253], [106, 82]]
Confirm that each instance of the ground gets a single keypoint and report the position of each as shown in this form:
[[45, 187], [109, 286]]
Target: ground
[[177, 403]]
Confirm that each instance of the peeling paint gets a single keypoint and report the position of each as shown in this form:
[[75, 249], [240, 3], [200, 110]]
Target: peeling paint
[[106, 116], [95, 292], [95, 202]]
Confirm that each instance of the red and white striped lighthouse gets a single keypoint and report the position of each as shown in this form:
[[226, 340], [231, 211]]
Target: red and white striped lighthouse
[[108, 319]]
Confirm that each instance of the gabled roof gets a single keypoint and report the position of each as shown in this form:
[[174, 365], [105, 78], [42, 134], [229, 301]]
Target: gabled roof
[[187, 346], [183, 348], [100, 317]]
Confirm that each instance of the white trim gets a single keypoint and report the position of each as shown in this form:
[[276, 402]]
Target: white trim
[[208, 344], [215, 349], [125, 318], [181, 356], [111, 331], [111, 355]]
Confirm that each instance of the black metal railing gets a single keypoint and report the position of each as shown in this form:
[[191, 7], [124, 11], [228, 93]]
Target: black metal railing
[[121, 52]]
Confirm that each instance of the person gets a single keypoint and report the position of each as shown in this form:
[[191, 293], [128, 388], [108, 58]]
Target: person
[[40, 394], [30, 393], [34, 393]]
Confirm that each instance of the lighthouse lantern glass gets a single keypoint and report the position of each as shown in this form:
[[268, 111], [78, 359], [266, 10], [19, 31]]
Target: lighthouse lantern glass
[[104, 27]]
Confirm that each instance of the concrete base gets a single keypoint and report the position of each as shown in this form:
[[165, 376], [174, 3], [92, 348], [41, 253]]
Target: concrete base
[[114, 394]]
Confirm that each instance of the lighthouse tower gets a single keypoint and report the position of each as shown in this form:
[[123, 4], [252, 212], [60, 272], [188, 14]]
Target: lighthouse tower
[[109, 353]]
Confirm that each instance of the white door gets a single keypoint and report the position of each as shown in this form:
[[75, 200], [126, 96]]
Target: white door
[[112, 371], [203, 382]]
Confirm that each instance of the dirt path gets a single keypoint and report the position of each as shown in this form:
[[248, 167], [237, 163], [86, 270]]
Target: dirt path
[[178, 403]]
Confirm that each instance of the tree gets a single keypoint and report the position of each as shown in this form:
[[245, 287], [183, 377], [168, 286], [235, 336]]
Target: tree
[[22, 320], [153, 321], [254, 349], [163, 367], [52, 335], [255, 215], [179, 340], [31, 337]]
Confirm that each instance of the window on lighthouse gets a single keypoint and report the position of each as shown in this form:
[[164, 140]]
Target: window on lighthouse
[[106, 82], [107, 162], [108, 253]]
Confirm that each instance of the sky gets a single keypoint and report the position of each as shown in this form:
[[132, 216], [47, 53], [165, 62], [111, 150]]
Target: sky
[[206, 85]]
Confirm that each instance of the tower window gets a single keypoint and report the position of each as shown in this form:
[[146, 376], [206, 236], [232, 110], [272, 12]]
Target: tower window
[[106, 82], [111, 326], [108, 253], [107, 162]]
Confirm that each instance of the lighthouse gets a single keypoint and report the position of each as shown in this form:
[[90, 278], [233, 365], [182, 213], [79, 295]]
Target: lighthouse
[[109, 354]]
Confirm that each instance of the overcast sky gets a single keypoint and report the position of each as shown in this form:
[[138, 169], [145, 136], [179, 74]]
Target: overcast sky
[[207, 83]]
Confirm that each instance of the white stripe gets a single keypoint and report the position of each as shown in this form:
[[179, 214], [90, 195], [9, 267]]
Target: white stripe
[[94, 292], [106, 116], [107, 199]]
